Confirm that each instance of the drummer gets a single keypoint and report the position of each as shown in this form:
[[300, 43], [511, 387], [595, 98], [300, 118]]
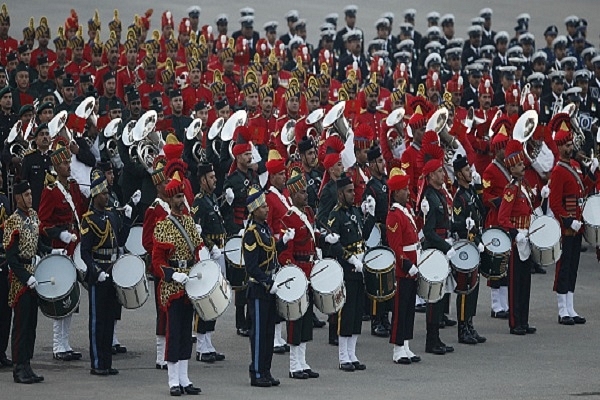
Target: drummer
[[404, 241], [21, 242], [467, 223], [206, 213], [102, 233], [176, 248]]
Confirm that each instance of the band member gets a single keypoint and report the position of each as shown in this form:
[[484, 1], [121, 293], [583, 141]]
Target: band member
[[5, 309], [346, 221], [568, 188], [176, 247], [401, 231], [436, 230], [301, 251], [102, 233], [308, 156], [260, 254], [206, 213], [514, 215], [61, 207], [467, 223], [158, 211], [21, 243]]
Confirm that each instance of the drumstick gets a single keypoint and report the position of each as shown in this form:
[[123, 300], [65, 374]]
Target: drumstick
[[535, 230], [425, 259], [463, 245], [198, 275], [318, 272], [325, 226], [229, 251], [285, 282], [51, 281], [371, 259]]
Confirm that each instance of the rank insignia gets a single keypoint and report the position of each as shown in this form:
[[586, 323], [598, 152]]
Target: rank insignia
[[457, 210], [393, 229], [486, 183], [330, 222], [405, 165], [509, 197]]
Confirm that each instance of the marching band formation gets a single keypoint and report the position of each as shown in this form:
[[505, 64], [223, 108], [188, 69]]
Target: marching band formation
[[370, 180]]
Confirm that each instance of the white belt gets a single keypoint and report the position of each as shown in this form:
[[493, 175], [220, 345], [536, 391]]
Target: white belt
[[412, 247]]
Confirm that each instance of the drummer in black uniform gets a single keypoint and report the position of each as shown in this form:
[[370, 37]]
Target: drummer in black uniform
[[308, 156], [468, 219], [36, 163], [206, 213]]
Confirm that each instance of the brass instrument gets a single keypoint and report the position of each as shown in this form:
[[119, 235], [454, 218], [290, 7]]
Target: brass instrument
[[288, 136], [336, 123], [315, 120], [146, 142], [214, 134], [438, 123], [57, 123], [194, 131], [237, 119], [523, 131], [578, 134]]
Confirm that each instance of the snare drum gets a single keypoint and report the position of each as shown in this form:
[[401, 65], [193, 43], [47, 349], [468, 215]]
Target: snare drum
[[292, 292], [591, 218], [80, 266], [374, 239], [379, 273], [129, 278], [134, 241], [494, 259], [209, 292], [327, 281], [465, 266], [433, 271], [544, 236], [234, 265], [61, 298]]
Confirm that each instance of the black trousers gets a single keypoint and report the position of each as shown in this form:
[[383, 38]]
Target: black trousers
[[23, 327], [496, 283], [102, 296], [161, 315], [202, 326], [262, 333], [350, 316], [301, 330], [466, 305], [179, 326], [519, 290], [242, 318], [5, 310], [566, 268], [403, 314]]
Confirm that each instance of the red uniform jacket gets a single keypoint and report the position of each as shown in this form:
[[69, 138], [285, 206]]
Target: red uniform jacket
[[303, 247], [402, 239], [158, 211], [277, 210], [360, 181], [516, 207], [494, 180], [193, 95], [409, 165], [373, 119]]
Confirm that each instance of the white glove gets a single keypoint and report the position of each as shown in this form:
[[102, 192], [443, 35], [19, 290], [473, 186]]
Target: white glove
[[332, 238], [476, 178], [470, 223], [450, 253], [215, 252], [229, 195], [413, 270], [180, 277], [354, 260], [521, 237], [199, 229], [61, 252], [102, 277], [289, 235], [593, 165], [481, 247], [576, 225], [241, 232], [65, 236], [31, 282], [370, 205], [274, 289], [136, 197], [545, 192], [127, 210], [425, 206], [363, 207]]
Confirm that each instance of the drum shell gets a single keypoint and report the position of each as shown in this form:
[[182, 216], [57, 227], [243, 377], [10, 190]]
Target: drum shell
[[63, 306], [329, 301], [493, 265], [380, 284], [292, 311], [591, 233], [591, 228], [236, 273], [134, 296], [544, 253], [431, 291], [466, 278], [213, 304]]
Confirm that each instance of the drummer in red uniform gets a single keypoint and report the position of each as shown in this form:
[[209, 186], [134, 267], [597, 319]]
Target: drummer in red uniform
[[404, 241], [514, 215], [568, 188]]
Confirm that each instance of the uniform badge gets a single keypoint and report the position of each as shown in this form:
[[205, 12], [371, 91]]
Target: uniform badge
[[246, 182], [353, 218], [311, 182], [393, 229], [330, 222], [384, 188], [486, 183], [457, 210], [509, 197], [405, 165]]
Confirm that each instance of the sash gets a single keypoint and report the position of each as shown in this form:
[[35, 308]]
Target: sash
[[502, 169], [405, 211], [183, 232], [304, 219], [69, 200], [569, 168]]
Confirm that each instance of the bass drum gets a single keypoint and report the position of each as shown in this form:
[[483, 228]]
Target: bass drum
[[57, 289]]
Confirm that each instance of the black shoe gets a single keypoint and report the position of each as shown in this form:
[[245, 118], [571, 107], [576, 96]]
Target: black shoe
[[477, 336], [311, 373], [278, 350], [519, 330], [403, 360], [380, 331], [442, 324], [36, 378], [579, 319], [158, 366], [415, 358], [5, 361], [539, 269], [20, 375], [530, 329], [466, 338], [359, 366], [118, 349], [261, 382], [99, 372], [347, 366], [274, 381], [175, 391], [499, 314], [448, 321], [63, 356], [113, 371], [207, 358], [298, 375], [243, 332], [334, 342], [75, 354], [286, 347], [218, 356], [449, 349], [565, 320], [439, 350], [421, 308], [191, 389], [317, 323]]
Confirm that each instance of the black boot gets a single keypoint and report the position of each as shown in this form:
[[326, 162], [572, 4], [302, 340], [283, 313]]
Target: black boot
[[432, 340], [20, 375], [464, 335], [474, 333], [37, 378], [377, 328]]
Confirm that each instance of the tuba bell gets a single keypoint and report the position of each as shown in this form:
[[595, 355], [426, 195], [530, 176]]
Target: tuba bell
[[523, 131], [315, 120], [237, 119], [110, 134], [146, 149], [578, 134], [288, 136], [214, 134], [194, 131], [336, 122]]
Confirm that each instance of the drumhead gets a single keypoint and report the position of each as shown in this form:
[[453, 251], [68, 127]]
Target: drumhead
[[379, 258], [496, 240], [374, 238], [435, 266], [233, 250], [295, 288], [61, 269], [210, 270], [547, 236], [134, 241], [77, 260], [466, 257], [590, 209], [328, 280], [128, 270]]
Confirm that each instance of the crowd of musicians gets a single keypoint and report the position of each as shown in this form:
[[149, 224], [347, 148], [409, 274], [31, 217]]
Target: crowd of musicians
[[385, 159]]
